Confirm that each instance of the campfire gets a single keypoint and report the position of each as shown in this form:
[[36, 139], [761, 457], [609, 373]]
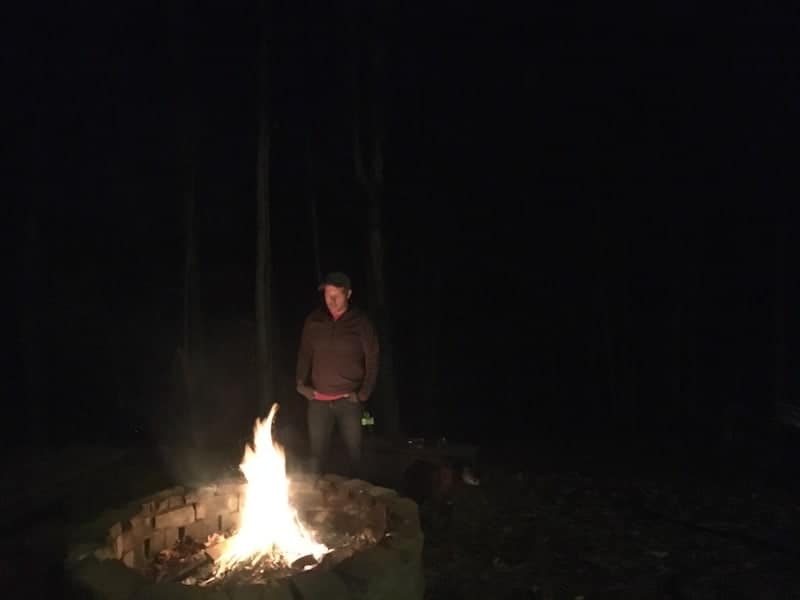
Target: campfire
[[272, 540], [261, 528], [270, 534]]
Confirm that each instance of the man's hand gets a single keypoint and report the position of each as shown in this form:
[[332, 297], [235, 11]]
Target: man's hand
[[306, 391], [355, 397]]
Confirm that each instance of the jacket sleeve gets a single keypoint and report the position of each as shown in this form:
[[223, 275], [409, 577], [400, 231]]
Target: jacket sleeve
[[303, 356], [369, 341]]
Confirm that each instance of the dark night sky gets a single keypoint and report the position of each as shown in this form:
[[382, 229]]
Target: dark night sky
[[540, 165]]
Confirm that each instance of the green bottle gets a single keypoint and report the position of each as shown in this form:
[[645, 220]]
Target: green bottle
[[367, 421]]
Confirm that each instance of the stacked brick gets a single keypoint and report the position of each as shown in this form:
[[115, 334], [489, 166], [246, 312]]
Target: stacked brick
[[110, 567], [170, 516]]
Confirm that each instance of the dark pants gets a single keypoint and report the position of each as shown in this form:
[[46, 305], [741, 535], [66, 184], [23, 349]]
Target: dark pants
[[322, 414]]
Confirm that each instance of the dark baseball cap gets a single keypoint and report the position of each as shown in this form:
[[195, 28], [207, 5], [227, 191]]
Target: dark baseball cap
[[337, 279]]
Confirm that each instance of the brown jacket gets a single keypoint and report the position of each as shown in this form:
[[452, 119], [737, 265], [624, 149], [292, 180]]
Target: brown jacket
[[342, 355]]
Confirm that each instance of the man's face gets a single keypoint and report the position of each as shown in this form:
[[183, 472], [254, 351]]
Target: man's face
[[336, 299]]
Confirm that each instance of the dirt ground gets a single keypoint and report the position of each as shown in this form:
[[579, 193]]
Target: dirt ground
[[595, 524], [547, 521]]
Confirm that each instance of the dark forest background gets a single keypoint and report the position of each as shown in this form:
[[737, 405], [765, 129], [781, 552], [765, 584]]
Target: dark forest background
[[587, 219]]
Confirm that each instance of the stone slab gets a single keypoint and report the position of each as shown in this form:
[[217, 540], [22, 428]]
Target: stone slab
[[403, 509], [201, 529], [163, 501], [139, 524], [376, 520], [168, 541], [232, 486], [321, 584], [105, 553], [178, 591], [127, 541], [177, 517], [231, 521], [282, 591], [212, 506], [200, 493], [379, 573], [381, 492], [408, 540], [81, 551], [404, 532], [355, 486]]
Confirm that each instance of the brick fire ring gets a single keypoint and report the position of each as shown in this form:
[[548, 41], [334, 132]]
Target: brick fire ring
[[104, 560]]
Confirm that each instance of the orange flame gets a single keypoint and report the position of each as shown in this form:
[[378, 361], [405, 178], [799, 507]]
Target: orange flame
[[269, 525]]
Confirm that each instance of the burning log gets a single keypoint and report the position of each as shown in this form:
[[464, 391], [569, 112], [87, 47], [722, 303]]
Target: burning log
[[304, 562], [217, 548], [175, 564]]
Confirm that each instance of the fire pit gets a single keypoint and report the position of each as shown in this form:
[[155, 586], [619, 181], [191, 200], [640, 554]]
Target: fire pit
[[261, 536]]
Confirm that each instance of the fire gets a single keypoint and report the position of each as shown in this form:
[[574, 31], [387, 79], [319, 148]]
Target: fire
[[269, 527]]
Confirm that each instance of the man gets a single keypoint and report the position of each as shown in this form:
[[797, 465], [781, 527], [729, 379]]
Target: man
[[339, 349]]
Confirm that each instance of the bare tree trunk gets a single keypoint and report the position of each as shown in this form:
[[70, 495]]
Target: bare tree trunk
[[691, 412], [190, 352], [677, 352], [263, 298], [435, 330], [780, 313], [610, 350], [608, 328], [312, 203], [189, 267], [31, 329], [682, 282], [557, 396], [386, 385], [371, 177], [628, 419]]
